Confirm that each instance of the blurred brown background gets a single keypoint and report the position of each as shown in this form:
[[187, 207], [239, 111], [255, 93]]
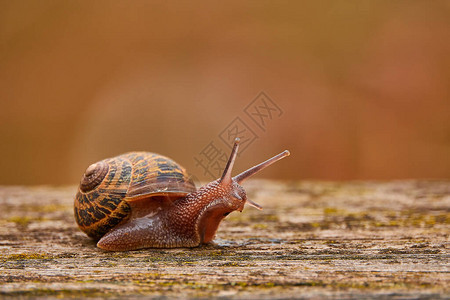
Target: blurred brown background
[[363, 85]]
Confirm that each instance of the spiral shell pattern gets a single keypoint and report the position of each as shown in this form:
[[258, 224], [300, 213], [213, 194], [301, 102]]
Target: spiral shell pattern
[[93, 176], [102, 201]]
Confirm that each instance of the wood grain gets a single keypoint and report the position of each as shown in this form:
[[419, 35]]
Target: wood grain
[[312, 240]]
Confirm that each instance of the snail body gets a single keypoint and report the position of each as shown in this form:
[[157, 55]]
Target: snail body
[[146, 200]]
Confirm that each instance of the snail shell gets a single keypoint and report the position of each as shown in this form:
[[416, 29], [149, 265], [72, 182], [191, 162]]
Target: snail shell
[[113, 190]]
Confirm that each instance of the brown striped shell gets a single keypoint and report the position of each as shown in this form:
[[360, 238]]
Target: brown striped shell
[[110, 189]]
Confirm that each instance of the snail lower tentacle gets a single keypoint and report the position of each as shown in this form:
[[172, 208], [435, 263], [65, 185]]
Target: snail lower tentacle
[[93, 176]]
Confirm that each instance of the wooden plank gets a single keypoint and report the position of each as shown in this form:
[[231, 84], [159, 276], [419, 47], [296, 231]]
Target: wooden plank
[[313, 239]]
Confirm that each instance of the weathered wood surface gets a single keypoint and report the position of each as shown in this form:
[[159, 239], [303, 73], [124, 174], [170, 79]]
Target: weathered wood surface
[[313, 239]]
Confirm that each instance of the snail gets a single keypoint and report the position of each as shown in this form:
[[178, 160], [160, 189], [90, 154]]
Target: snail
[[145, 200]]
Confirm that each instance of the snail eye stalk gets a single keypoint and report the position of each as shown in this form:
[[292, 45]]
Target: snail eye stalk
[[226, 176], [253, 170]]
